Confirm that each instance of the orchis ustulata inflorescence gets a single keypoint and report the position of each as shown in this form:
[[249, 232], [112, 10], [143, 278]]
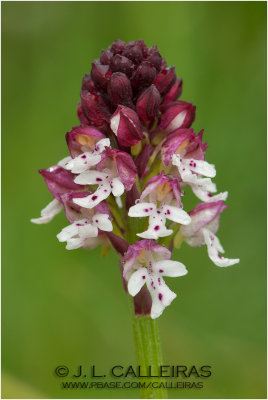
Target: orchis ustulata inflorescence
[[132, 157]]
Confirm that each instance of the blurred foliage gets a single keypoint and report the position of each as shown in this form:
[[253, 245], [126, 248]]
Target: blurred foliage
[[69, 308]]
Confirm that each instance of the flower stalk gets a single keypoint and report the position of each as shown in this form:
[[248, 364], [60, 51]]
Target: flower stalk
[[149, 356]]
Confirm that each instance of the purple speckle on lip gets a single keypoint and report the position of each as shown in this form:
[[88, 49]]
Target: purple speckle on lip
[[158, 212], [98, 179], [146, 210], [97, 220], [105, 190], [160, 296], [168, 212], [156, 228], [143, 277], [161, 271], [79, 224], [83, 156], [94, 197]]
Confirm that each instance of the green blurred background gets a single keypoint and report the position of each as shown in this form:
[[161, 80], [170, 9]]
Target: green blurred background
[[68, 307]]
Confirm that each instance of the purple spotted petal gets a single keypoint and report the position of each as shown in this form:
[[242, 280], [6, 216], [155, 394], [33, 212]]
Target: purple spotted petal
[[59, 181], [82, 136]]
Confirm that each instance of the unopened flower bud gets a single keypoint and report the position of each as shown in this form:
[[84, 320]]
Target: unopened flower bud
[[120, 90], [88, 84], [121, 64], [148, 104], [94, 108], [174, 92], [179, 114], [165, 80], [81, 115], [117, 47], [144, 75], [133, 52], [126, 126], [105, 57], [154, 57], [98, 73]]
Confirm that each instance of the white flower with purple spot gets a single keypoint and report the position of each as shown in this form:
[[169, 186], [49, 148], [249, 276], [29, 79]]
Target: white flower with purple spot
[[202, 229], [159, 201], [88, 159], [192, 171], [145, 263], [116, 173], [80, 232]]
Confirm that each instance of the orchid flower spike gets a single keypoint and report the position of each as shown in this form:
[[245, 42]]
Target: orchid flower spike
[[131, 157]]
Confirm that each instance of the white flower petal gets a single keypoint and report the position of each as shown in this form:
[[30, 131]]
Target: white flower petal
[[91, 178], [62, 163], [200, 167], [83, 162], [214, 247], [68, 232], [87, 231], [117, 187], [74, 243], [142, 210], [205, 196], [49, 212], [92, 200], [118, 201], [162, 296], [176, 214], [103, 222], [100, 146], [169, 268], [136, 281], [156, 227]]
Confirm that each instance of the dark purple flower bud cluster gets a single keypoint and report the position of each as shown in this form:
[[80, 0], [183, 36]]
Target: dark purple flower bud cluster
[[130, 91]]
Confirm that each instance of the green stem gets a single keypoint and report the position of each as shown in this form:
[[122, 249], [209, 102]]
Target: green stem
[[149, 356]]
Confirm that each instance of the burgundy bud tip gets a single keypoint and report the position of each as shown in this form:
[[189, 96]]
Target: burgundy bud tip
[[126, 126], [154, 57], [94, 108], [99, 74], [148, 104], [133, 52], [179, 114], [119, 89], [121, 64], [117, 47], [81, 115], [88, 84], [174, 92], [165, 80], [105, 57], [144, 75]]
